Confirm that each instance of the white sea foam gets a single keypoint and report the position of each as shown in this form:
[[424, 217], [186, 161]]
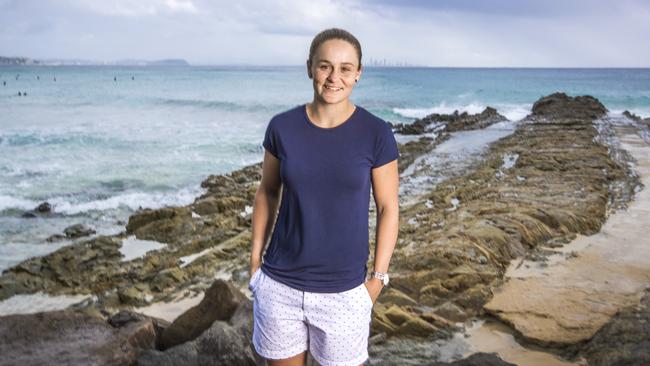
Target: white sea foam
[[37, 302], [134, 248], [641, 112], [442, 108], [132, 201], [513, 112], [7, 202]]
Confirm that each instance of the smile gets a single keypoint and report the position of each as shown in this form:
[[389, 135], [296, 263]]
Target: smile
[[331, 88]]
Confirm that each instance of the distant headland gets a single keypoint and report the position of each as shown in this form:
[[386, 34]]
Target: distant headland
[[12, 61]]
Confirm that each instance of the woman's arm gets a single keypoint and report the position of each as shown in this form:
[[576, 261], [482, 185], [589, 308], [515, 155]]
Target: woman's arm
[[265, 208], [385, 187]]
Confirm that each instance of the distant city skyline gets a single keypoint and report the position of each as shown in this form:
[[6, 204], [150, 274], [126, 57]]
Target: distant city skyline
[[442, 33]]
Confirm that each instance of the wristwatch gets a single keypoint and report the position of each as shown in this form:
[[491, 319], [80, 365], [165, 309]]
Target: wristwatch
[[382, 276]]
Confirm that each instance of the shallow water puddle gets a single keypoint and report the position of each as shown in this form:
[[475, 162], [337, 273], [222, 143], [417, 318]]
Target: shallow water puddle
[[133, 248], [449, 159], [37, 302]]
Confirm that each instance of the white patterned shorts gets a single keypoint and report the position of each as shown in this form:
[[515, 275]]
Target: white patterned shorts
[[334, 327]]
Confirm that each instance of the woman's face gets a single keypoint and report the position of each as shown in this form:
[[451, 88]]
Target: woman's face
[[334, 68]]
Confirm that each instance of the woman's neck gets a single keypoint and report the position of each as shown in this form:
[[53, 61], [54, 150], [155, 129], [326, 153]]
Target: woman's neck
[[329, 115]]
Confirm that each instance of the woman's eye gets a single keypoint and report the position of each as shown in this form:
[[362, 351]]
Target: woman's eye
[[323, 67]]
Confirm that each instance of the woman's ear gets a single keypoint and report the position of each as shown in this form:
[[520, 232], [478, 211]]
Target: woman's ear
[[309, 69]]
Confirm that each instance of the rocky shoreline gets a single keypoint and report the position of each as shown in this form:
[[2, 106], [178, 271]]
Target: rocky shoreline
[[553, 178]]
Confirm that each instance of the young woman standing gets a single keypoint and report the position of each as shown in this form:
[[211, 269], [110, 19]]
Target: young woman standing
[[310, 291]]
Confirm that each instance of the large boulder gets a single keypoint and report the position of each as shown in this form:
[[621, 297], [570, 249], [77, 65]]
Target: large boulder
[[223, 343], [72, 337], [560, 105], [220, 302]]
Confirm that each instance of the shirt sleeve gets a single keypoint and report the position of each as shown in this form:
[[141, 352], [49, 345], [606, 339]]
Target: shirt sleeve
[[385, 147], [270, 139]]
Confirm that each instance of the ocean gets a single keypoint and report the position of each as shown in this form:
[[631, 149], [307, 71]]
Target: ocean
[[100, 142]]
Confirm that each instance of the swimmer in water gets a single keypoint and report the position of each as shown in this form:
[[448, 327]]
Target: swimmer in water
[[114, 78], [20, 94]]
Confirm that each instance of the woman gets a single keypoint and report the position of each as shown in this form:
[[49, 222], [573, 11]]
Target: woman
[[310, 292]]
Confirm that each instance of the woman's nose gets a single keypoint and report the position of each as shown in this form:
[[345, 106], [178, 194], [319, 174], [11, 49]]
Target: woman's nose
[[333, 75]]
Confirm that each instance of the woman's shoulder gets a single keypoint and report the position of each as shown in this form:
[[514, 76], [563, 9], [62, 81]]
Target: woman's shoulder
[[289, 114], [372, 119]]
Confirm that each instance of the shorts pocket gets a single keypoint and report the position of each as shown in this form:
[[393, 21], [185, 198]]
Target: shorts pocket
[[367, 294], [253, 281]]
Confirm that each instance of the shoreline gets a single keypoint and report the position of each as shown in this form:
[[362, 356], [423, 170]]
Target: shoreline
[[457, 241]]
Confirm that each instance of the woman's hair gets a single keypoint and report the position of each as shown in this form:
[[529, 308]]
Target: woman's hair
[[334, 33]]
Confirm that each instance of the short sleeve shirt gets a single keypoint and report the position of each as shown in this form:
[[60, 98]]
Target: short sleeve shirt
[[320, 239]]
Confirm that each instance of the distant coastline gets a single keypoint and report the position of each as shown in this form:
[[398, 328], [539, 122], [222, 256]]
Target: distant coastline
[[13, 61]]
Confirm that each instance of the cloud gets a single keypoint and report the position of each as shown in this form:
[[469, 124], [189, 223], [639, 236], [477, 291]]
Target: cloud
[[138, 8], [435, 33]]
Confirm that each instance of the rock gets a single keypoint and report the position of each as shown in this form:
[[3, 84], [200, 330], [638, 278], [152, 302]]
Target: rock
[[167, 278], [418, 327], [144, 217], [71, 337], [29, 215], [452, 122], [394, 296], [77, 231], [464, 121], [220, 302], [55, 237], [212, 205], [131, 296], [477, 359], [44, 207], [397, 315], [223, 343], [451, 311], [632, 116], [624, 340], [397, 321], [125, 317], [560, 105]]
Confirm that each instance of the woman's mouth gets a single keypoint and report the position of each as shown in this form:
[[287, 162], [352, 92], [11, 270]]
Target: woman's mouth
[[332, 88]]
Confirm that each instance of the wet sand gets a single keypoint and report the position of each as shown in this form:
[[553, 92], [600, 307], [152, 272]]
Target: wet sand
[[495, 337], [568, 298]]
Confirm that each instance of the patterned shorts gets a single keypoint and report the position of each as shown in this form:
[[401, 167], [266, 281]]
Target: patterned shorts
[[334, 327]]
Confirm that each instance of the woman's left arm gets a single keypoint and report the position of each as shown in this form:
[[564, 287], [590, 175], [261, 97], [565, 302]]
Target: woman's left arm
[[385, 188]]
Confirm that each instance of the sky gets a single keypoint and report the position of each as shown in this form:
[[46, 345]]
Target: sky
[[447, 33]]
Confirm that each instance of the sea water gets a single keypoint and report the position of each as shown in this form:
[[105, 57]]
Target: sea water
[[100, 142]]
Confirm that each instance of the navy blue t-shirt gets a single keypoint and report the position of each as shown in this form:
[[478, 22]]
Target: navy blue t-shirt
[[320, 239]]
